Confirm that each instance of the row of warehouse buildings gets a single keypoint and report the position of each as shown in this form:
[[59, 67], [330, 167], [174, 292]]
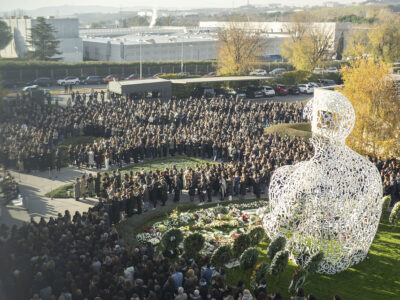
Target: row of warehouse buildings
[[148, 44]]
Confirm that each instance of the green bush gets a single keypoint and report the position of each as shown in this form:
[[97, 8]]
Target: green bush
[[294, 77], [256, 235], [277, 244], [395, 214], [279, 262], [172, 238], [193, 244], [249, 258], [240, 244], [221, 256]]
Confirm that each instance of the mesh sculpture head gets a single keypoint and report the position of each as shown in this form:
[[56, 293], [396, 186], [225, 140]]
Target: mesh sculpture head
[[332, 202]]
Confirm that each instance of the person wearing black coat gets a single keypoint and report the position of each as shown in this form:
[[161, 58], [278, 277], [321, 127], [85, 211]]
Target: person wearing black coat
[[97, 181]]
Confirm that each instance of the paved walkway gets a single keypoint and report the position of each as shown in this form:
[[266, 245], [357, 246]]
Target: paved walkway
[[33, 188]]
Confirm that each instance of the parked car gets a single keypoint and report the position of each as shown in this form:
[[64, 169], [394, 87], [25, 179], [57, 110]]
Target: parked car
[[158, 75], [326, 82], [35, 91], [254, 92], [319, 70], [314, 84], [132, 77], [260, 72], [281, 89], [41, 81], [211, 74], [332, 70], [93, 80], [11, 83], [293, 90], [110, 77], [230, 92], [69, 80], [241, 93], [268, 91], [306, 88], [277, 71]]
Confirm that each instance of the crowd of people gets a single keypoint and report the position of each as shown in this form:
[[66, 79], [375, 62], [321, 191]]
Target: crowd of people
[[9, 189], [82, 256]]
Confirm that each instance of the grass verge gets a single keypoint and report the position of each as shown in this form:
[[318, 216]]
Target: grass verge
[[290, 129]]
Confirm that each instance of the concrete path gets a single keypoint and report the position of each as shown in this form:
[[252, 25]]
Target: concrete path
[[33, 188]]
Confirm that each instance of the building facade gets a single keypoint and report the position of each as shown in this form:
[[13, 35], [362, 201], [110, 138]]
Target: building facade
[[66, 31]]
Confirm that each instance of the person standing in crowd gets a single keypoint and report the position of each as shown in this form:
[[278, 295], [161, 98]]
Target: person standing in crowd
[[90, 185], [83, 186], [91, 158], [77, 189]]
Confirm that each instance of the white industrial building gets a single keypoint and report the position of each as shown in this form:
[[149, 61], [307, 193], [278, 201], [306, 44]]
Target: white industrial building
[[182, 43], [66, 31]]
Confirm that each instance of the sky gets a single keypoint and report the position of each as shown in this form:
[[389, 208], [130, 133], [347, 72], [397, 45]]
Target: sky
[[33, 4]]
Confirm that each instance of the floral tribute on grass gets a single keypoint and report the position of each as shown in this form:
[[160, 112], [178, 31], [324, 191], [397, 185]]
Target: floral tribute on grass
[[207, 229]]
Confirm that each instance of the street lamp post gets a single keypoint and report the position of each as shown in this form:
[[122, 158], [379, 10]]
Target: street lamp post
[[182, 56], [140, 58]]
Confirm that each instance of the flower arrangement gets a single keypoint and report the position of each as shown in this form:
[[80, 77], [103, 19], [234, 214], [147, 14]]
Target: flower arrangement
[[172, 238], [395, 214], [256, 235], [276, 245], [259, 273], [193, 244], [240, 244], [279, 262], [249, 258], [143, 238], [221, 256]]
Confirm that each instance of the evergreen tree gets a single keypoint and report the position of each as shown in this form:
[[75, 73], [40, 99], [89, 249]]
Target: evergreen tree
[[43, 41], [5, 34], [340, 47]]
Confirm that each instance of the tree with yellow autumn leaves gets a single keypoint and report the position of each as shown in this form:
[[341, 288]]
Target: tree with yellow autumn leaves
[[374, 95], [240, 48]]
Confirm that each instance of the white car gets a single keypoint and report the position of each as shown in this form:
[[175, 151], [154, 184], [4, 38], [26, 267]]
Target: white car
[[332, 70], [268, 91], [260, 72], [306, 89], [318, 71], [277, 71], [69, 80]]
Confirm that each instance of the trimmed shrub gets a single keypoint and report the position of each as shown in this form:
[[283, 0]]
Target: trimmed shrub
[[276, 245], [312, 264], [395, 214], [256, 235], [249, 258], [240, 244], [221, 256], [279, 262], [193, 244], [172, 238]]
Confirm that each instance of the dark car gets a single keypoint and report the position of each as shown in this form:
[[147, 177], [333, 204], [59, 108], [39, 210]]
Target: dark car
[[132, 77], [110, 77], [254, 92], [281, 89], [93, 80], [42, 81], [293, 90], [11, 83], [326, 82]]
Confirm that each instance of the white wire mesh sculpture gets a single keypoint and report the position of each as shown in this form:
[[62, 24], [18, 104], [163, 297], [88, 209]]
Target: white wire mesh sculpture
[[332, 202]]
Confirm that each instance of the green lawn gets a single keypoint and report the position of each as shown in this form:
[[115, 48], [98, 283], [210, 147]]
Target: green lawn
[[377, 277], [290, 129], [159, 163]]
